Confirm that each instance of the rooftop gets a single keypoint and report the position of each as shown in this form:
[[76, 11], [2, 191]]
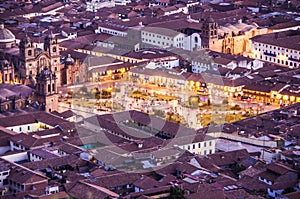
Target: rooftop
[[288, 39]]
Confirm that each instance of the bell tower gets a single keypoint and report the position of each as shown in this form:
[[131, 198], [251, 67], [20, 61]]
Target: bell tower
[[26, 58], [209, 32], [46, 90], [6, 71], [51, 47]]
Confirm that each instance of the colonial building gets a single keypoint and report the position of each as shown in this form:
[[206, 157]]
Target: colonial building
[[33, 60], [14, 97], [280, 48], [229, 38], [46, 90], [209, 33], [164, 38], [74, 69], [6, 72]]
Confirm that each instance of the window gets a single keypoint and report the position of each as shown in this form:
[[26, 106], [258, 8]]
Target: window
[[199, 145], [28, 128], [193, 146], [5, 173], [189, 147], [204, 144], [210, 143], [20, 128], [29, 52]]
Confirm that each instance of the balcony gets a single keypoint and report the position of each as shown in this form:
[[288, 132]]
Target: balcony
[[293, 59], [270, 54]]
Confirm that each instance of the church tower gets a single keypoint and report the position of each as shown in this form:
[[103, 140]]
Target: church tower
[[209, 33], [51, 47], [6, 71], [46, 90], [26, 48]]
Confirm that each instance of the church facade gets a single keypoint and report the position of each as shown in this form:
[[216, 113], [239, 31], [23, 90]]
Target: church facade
[[34, 65], [229, 38]]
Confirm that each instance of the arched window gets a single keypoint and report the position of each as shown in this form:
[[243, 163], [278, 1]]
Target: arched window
[[228, 51], [54, 49], [6, 107]]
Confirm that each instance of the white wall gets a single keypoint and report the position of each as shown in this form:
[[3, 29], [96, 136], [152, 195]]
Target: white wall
[[111, 31], [3, 176], [122, 2], [274, 193], [16, 157], [281, 55], [192, 42], [94, 5], [72, 35], [34, 158], [201, 148], [164, 64], [28, 127], [178, 10], [16, 146], [199, 67], [178, 41]]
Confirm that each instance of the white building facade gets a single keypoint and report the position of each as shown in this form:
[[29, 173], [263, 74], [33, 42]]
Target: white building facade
[[94, 5], [279, 48], [165, 38]]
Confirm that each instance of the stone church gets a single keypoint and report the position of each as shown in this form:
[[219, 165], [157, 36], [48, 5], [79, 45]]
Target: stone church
[[32, 66], [33, 60], [229, 38]]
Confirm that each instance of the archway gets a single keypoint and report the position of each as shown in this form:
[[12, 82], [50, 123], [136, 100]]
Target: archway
[[228, 51]]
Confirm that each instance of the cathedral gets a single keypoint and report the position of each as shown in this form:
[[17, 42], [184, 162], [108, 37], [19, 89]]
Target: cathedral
[[27, 64], [33, 60]]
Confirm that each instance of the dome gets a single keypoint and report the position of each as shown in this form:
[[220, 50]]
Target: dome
[[6, 35], [69, 60], [44, 74]]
